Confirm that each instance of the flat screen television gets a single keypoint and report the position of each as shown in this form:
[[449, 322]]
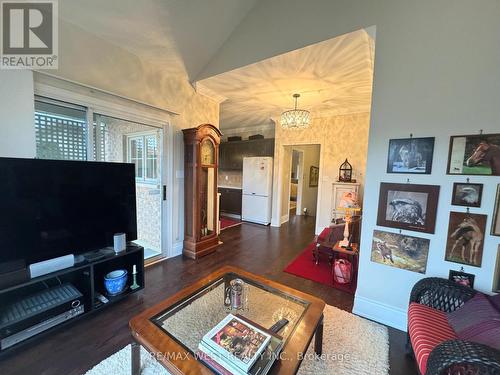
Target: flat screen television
[[50, 208]]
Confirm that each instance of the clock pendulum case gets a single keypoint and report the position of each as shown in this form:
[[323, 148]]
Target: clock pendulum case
[[201, 160]]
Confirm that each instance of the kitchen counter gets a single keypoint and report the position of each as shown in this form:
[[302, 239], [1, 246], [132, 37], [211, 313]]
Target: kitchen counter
[[230, 200], [229, 187]]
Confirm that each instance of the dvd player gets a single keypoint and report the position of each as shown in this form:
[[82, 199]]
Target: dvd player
[[37, 308], [25, 334]]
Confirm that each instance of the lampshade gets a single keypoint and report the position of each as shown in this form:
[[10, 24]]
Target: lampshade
[[295, 118]]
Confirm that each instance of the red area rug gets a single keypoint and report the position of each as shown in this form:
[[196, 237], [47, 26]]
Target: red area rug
[[226, 222], [304, 266]]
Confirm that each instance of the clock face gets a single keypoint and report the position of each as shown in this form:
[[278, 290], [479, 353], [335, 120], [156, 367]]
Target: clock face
[[207, 152]]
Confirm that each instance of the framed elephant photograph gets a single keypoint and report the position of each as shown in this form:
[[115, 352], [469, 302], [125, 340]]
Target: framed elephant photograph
[[465, 239], [408, 206], [474, 155]]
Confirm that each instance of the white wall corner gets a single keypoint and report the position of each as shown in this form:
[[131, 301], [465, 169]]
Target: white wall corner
[[380, 312]]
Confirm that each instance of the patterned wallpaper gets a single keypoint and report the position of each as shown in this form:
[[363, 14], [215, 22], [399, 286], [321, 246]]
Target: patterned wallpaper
[[340, 137]]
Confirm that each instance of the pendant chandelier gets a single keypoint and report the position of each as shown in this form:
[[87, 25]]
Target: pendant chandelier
[[295, 118]]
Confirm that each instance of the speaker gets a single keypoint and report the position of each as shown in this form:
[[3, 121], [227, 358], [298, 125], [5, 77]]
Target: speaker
[[119, 242], [51, 265]]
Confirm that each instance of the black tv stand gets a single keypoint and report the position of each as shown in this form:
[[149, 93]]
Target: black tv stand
[[88, 278]]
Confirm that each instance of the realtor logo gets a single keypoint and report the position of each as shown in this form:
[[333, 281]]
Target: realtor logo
[[29, 34]]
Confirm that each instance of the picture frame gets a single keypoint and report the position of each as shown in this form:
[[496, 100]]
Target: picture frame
[[410, 155], [467, 194], [313, 176], [465, 239], [477, 154], [400, 250], [495, 223], [408, 206], [462, 278]]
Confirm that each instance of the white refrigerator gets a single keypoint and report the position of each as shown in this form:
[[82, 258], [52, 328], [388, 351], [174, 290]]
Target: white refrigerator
[[257, 190]]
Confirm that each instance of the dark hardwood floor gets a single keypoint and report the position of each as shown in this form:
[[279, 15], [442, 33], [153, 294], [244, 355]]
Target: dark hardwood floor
[[261, 250]]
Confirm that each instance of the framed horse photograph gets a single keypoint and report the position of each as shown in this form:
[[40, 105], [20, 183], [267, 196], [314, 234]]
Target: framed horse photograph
[[410, 155], [408, 206], [465, 238], [474, 155]]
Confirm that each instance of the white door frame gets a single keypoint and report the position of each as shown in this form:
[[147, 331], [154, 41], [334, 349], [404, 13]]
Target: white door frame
[[278, 181], [300, 182]]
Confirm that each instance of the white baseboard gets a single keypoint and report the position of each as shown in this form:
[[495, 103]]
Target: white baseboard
[[380, 312]]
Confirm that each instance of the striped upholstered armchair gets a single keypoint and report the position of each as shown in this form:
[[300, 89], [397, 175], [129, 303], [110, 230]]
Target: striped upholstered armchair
[[433, 341]]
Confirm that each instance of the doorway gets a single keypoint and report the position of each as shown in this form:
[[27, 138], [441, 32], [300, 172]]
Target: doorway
[[300, 181], [296, 178]]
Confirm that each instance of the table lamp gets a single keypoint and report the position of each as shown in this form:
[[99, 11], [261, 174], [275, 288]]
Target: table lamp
[[350, 206]]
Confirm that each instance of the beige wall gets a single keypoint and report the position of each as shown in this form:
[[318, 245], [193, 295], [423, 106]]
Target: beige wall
[[17, 124], [340, 137]]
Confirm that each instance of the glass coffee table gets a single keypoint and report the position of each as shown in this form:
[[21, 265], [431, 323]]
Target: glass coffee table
[[172, 330]]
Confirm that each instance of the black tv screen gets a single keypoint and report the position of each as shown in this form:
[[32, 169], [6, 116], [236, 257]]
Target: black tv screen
[[50, 208]]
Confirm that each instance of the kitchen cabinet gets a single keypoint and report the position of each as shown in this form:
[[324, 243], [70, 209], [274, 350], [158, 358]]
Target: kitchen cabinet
[[231, 154], [230, 201]]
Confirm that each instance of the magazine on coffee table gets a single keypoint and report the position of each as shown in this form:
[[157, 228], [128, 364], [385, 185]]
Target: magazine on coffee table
[[261, 366], [235, 343]]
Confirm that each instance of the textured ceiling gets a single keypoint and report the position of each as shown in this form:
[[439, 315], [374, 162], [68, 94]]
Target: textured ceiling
[[333, 77], [181, 35]]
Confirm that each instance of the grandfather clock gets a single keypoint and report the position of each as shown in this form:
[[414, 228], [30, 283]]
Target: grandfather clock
[[201, 160]]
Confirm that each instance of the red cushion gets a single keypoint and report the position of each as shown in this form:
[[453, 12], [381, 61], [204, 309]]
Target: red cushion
[[427, 328]]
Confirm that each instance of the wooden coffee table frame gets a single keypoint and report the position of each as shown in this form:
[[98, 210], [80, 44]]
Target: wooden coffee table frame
[[177, 359]]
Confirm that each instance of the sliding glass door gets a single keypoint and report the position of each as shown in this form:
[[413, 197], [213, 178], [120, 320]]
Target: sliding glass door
[[118, 140], [70, 132]]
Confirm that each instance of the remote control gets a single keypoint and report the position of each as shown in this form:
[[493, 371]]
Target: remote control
[[101, 298], [278, 326]]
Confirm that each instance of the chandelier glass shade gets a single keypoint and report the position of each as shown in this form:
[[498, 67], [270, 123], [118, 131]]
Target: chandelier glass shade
[[295, 118]]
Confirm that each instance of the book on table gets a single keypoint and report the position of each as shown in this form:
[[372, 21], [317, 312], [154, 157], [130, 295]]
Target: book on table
[[239, 346]]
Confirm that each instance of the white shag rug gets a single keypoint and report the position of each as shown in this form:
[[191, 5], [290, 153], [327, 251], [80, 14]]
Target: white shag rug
[[351, 346]]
